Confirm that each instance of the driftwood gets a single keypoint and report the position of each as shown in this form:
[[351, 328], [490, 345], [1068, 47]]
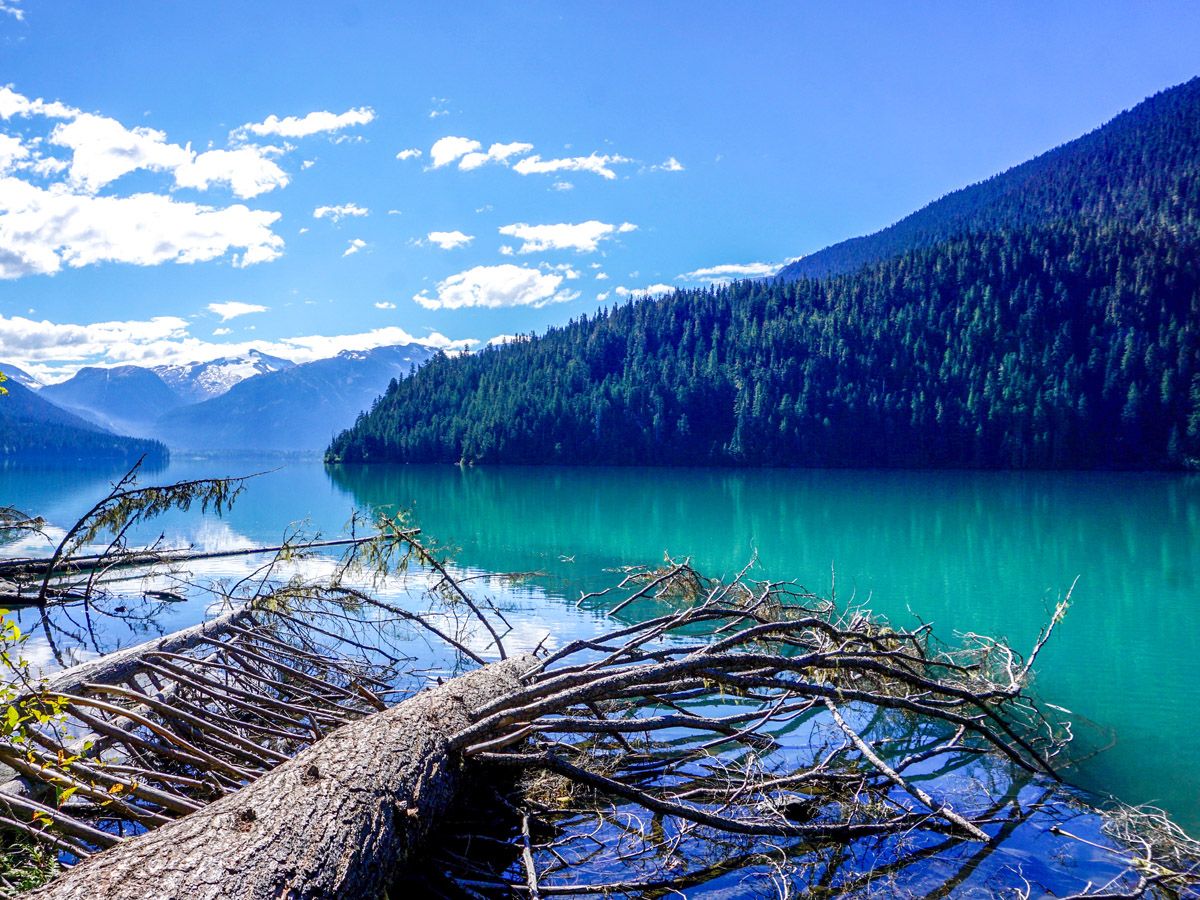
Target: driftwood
[[333, 822], [162, 729]]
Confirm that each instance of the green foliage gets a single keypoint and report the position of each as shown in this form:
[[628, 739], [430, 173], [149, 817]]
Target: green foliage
[[25, 865], [1058, 346]]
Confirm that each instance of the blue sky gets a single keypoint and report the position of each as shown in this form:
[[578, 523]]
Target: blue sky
[[180, 180]]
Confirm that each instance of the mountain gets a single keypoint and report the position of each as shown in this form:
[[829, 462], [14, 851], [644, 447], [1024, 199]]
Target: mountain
[[20, 376], [35, 430], [125, 399], [1041, 339], [1142, 169], [294, 409], [200, 381]]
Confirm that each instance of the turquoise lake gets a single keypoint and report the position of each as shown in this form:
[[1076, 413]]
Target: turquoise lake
[[980, 552]]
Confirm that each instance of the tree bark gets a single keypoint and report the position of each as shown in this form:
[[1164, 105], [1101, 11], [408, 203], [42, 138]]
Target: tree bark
[[335, 822]]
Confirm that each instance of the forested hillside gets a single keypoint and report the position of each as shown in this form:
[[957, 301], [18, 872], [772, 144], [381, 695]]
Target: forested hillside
[[34, 430], [1069, 346], [1142, 168], [1046, 318]]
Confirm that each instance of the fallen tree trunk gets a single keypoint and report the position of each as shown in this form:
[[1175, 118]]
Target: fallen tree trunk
[[335, 821]]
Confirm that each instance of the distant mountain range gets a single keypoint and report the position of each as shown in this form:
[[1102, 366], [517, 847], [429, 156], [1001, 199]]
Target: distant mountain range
[[123, 400], [298, 408], [255, 402], [200, 381], [1045, 318]]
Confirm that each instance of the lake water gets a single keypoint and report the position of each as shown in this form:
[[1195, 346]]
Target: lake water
[[967, 551]]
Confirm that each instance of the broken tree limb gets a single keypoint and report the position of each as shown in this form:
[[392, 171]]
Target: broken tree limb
[[333, 822], [39, 568], [116, 667]]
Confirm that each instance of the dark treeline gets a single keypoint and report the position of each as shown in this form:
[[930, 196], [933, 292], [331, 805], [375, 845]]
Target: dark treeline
[[51, 442], [1141, 169], [1068, 345]]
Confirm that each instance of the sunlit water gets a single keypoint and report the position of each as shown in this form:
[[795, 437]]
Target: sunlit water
[[983, 552]]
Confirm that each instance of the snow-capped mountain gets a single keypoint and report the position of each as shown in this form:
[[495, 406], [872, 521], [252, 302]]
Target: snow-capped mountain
[[199, 381], [19, 376], [297, 409]]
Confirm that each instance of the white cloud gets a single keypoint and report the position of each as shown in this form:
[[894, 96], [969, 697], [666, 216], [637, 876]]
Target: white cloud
[[562, 186], [43, 229], [496, 153], [506, 250], [729, 271], [602, 297], [246, 170], [14, 104], [49, 166], [384, 304], [307, 163], [13, 8], [670, 164], [446, 150], [469, 153], [220, 332], [505, 339], [566, 270], [306, 349], [602, 276], [410, 153], [12, 151], [493, 287], [649, 290], [337, 213], [599, 164], [103, 150], [31, 342], [354, 246], [448, 240], [304, 126], [582, 236], [231, 309]]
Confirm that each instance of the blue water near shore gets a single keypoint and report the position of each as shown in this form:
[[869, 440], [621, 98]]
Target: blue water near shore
[[989, 553]]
